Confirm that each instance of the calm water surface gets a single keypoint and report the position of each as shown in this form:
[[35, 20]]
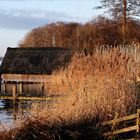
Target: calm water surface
[[6, 116], [9, 114]]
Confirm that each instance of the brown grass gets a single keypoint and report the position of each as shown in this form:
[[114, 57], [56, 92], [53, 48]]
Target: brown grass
[[100, 85]]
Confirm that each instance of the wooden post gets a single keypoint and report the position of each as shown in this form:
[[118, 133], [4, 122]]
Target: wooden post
[[113, 126], [4, 87], [124, 21], [20, 88], [137, 124], [14, 94], [114, 121], [0, 82], [14, 112], [138, 120], [14, 101]]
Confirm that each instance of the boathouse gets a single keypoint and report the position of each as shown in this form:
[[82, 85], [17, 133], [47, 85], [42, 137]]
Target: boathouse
[[31, 69]]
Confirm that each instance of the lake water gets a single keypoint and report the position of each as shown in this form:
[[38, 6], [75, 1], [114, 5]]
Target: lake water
[[6, 117], [9, 114], [6, 114]]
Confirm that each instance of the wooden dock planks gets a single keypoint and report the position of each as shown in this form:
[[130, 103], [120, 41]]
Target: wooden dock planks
[[25, 98]]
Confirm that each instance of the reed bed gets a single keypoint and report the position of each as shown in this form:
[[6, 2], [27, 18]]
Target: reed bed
[[100, 84]]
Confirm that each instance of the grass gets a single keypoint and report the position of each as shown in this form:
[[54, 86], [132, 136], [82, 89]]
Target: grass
[[100, 84]]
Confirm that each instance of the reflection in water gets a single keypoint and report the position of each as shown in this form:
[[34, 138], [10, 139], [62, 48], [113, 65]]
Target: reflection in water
[[6, 119], [9, 113]]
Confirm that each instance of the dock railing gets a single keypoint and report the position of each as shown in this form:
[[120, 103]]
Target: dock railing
[[113, 128]]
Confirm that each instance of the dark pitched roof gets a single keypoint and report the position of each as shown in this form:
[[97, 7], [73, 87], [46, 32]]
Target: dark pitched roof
[[1, 58], [35, 60]]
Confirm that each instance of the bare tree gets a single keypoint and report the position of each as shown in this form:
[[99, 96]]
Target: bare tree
[[122, 9]]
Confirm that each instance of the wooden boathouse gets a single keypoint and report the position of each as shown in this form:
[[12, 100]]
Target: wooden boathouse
[[28, 71]]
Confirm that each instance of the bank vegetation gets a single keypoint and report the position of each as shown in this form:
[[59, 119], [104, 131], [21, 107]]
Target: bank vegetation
[[100, 84]]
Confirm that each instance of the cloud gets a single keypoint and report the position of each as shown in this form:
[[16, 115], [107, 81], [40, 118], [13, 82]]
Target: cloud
[[27, 19]]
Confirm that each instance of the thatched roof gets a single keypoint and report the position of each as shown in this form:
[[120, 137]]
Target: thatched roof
[[1, 58], [35, 60]]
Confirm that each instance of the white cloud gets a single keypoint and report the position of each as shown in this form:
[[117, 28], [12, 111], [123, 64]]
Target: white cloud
[[28, 19]]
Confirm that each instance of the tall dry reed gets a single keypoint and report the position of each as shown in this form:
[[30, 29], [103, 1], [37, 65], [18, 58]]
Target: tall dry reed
[[100, 85]]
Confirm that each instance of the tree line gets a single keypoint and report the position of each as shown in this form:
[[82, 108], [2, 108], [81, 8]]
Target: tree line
[[101, 31], [121, 10]]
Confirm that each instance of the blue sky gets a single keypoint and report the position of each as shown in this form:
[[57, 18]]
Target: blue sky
[[18, 17]]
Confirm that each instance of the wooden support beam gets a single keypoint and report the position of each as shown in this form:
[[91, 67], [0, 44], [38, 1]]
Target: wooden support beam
[[14, 94], [14, 100], [0, 83], [138, 120], [20, 88], [114, 121], [4, 87], [27, 98], [123, 130], [126, 118]]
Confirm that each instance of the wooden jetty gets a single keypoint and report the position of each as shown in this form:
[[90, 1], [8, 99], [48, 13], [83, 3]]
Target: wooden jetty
[[17, 92], [26, 73], [24, 98]]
